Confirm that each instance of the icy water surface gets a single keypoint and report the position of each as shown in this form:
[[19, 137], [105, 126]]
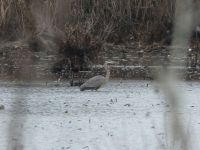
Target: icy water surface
[[123, 115]]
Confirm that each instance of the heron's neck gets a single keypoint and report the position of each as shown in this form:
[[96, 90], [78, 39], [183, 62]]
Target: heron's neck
[[107, 74]]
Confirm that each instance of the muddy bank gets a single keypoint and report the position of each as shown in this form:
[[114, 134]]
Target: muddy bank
[[22, 59]]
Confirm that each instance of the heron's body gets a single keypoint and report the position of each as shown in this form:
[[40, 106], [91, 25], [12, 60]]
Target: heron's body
[[93, 83], [96, 82]]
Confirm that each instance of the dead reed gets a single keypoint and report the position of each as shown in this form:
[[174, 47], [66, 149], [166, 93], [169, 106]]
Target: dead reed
[[110, 20]]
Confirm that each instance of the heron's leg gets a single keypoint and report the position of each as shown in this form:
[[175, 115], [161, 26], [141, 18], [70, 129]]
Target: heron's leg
[[97, 88]]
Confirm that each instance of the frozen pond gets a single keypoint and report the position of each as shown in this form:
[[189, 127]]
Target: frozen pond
[[123, 115]]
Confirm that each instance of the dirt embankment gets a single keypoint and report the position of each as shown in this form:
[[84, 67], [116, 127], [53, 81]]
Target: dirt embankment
[[18, 60], [23, 60]]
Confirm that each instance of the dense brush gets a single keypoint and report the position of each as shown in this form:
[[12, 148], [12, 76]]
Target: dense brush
[[110, 20]]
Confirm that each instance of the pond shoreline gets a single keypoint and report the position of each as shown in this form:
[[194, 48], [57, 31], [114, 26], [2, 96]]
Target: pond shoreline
[[18, 61]]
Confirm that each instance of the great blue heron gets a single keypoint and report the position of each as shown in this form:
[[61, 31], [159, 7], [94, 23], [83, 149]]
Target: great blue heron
[[96, 82]]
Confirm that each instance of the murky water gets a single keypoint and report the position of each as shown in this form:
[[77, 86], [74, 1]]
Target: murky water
[[122, 115]]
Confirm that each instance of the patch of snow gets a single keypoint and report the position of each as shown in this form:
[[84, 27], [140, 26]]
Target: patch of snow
[[123, 115]]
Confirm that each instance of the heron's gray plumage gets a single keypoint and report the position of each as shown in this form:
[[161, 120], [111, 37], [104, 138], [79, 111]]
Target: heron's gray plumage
[[96, 82], [93, 83]]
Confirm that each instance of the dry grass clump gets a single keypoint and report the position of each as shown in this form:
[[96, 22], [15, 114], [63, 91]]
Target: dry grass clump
[[16, 20], [77, 48], [109, 21], [119, 20], [79, 37]]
